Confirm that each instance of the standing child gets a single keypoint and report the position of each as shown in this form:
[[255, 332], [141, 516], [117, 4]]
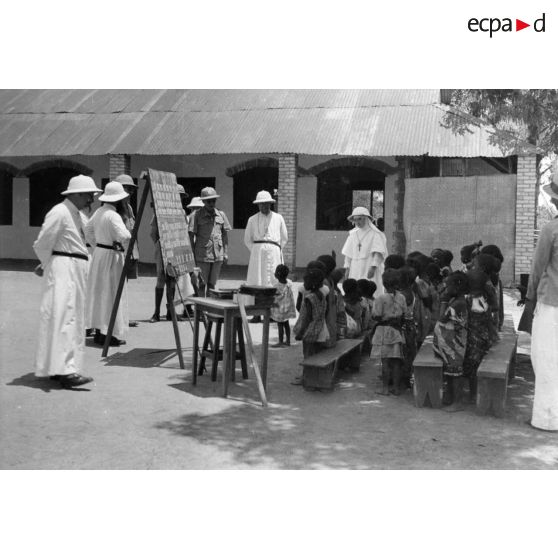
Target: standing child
[[407, 277], [481, 302], [353, 308], [331, 298], [302, 291], [310, 326], [434, 279], [283, 308], [341, 325], [387, 343], [366, 290], [450, 337]]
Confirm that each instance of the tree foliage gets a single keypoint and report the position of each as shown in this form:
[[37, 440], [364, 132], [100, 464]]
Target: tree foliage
[[518, 115]]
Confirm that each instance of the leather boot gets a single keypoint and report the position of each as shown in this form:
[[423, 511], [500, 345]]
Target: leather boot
[[158, 298]]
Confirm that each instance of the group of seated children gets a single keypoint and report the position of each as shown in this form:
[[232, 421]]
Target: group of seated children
[[423, 296]]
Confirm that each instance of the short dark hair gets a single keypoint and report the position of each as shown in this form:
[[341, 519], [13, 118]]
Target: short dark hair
[[316, 264], [366, 288], [391, 278], [460, 281], [314, 279], [328, 261], [477, 280], [394, 261], [282, 270], [350, 286], [493, 250]]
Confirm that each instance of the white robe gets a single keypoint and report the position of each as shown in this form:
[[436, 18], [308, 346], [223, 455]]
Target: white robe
[[61, 340], [544, 355], [371, 252], [106, 227], [264, 257]]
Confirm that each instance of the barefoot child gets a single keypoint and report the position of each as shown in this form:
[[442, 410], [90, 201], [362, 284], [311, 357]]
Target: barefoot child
[[450, 337], [387, 343], [310, 326], [481, 302], [366, 290], [283, 308]]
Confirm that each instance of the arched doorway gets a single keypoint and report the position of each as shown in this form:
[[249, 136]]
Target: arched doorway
[[341, 188]]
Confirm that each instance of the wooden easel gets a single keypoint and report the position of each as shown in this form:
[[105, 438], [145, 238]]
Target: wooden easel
[[170, 279]]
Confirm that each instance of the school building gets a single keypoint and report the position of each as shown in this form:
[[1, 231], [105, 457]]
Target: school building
[[318, 152]]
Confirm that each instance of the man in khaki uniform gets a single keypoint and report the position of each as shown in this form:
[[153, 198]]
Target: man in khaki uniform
[[208, 235]]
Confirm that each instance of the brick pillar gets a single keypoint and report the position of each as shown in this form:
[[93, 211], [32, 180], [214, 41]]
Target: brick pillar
[[399, 242], [118, 164], [525, 211], [287, 203]]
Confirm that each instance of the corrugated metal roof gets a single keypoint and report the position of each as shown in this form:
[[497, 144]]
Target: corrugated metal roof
[[190, 122]]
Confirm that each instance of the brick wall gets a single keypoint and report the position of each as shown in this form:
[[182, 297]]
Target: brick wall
[[525, 212], [287, 203], [118, 164]]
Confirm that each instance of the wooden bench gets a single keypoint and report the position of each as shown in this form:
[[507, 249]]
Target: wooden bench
[[494, 371], [320, 370], [428, 377]]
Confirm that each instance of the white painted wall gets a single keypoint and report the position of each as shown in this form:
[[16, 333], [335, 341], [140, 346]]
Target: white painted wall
[[16, 241]]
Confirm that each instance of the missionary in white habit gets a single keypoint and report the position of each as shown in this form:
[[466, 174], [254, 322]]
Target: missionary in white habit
[[62, 251], [365, 249], [107, 232], [265, 236]]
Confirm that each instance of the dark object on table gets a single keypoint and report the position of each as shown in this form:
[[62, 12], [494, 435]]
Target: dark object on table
[[224, 294], [263, 296]]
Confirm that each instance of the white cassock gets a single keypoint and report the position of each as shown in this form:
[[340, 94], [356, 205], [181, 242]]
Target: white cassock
[[106, 227], [265, 236], [61, 342], [366, 247]]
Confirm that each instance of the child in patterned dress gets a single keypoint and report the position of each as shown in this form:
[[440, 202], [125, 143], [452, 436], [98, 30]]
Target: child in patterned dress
[[283, 308], [387, 343], [450, 337], [311, 321], [493, 250], [481, 302], [366, 290]]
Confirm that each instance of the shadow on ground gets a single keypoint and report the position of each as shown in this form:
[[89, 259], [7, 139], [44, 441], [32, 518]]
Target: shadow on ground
[[44, 384], [371, 432], [141, 358]]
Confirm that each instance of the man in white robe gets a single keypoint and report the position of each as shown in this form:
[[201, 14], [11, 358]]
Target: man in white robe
[[365, 249], [542, 299], [63, 254], [265, 236], [108, 233]]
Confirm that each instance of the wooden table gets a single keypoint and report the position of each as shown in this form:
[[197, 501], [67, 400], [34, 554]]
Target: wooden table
[[230, 311]]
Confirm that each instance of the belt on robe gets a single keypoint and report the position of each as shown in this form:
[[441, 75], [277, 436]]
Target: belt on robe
[[109, 247], [70, 255], [268, 242]]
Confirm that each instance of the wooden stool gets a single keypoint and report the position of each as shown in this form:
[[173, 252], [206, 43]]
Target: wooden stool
[[216, 354]]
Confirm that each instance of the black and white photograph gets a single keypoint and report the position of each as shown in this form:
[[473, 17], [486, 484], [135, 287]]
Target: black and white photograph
[[230, 279], [344, 281]]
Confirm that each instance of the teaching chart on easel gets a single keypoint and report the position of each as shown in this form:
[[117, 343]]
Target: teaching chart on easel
[[173, 230]]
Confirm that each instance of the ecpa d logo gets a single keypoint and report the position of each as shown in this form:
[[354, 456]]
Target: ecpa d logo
[[493, 25]]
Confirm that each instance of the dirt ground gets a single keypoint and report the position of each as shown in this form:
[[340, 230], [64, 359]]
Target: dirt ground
[[142, 411]]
